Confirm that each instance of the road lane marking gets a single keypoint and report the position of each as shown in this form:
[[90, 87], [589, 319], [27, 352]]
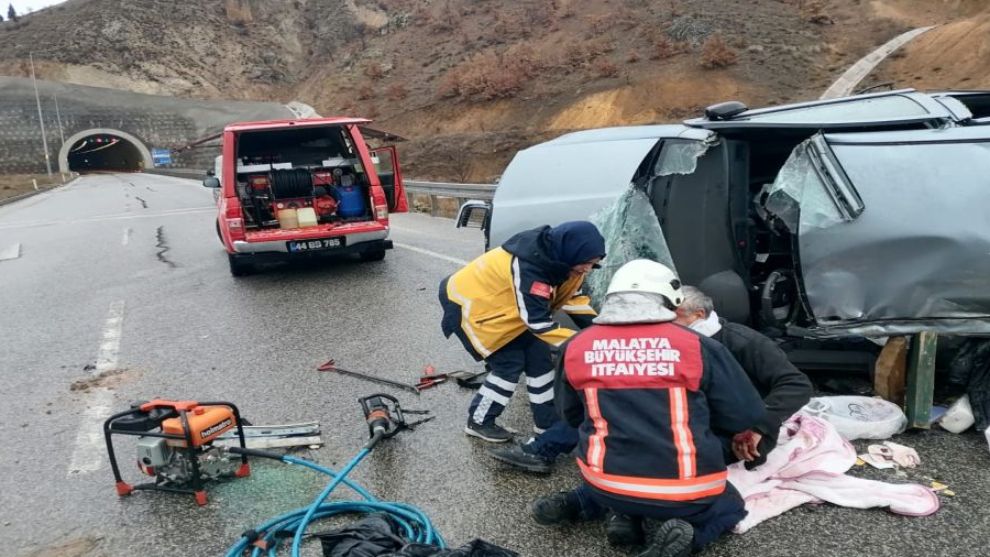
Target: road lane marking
[[127, 236], [107, 218], [430, 253], [12, 252], [106, 360], [87, 456]]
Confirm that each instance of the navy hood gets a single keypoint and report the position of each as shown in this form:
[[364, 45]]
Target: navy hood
[[576, 242], [545, 246]]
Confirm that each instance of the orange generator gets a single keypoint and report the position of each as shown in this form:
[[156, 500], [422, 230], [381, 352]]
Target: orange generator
[[175, 445]]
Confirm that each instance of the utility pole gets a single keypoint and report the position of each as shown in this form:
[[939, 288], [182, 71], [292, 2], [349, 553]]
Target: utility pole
[[58, 116], [41, 120]]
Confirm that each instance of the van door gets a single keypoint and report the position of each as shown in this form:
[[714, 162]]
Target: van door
[[892, 230], [386, 160]]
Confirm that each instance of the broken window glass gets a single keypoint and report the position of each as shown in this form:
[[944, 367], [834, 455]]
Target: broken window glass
[[632, 231], [798, 196], [679, 157]]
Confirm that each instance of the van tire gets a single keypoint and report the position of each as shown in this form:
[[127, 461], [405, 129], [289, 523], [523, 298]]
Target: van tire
[[238, 267], [377, 254]]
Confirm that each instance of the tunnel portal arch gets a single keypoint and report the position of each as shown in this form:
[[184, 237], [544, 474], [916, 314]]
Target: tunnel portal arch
[[142, 151]]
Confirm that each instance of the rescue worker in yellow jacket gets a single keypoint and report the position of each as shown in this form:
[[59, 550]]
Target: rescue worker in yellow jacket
[[501, 306]]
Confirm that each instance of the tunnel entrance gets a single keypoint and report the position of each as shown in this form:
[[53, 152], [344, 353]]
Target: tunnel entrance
[[104, 152]]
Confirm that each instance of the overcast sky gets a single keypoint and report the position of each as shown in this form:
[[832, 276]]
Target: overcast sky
[[22, 5]]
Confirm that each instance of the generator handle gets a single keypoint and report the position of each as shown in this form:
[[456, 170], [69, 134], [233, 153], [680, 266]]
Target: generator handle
[[108, 435]]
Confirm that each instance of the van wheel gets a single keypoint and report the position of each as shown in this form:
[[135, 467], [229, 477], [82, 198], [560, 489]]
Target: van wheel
[[373, 255], [239, 268]]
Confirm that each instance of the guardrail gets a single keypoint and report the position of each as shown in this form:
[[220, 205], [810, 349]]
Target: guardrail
[[190, 173], [461, 192], [450, 189]]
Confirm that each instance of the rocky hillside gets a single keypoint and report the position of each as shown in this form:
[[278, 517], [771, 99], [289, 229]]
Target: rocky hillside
[[468, 81]]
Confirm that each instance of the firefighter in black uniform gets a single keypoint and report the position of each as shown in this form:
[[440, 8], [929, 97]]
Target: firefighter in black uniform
[[645, 395]]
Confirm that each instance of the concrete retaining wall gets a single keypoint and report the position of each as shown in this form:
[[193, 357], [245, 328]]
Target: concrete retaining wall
[[153, 120]]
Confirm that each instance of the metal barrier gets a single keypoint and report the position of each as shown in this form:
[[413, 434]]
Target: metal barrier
[[461, 192]]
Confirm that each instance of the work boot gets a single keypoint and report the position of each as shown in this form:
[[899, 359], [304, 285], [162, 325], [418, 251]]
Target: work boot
[[622, 529], [672, 539], [518, 457], [559, 508], [491, 432]]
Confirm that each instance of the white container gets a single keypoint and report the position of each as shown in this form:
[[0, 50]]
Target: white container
[[859, 417], [959, 417], [306, 217], [288, 218]]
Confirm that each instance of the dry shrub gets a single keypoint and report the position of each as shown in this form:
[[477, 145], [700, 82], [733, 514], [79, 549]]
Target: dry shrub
[[542, 14], [598, 24], [489, 75], [814, 11], [503, 27], [604, 67], [365, 92], [396, 92], [664, 47], [374, 71], [576, 54], [716, 53]]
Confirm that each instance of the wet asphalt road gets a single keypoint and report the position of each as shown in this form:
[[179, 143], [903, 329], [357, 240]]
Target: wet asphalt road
[[142, 249]]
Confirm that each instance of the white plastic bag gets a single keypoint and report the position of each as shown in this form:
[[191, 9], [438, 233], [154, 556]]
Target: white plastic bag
[[859, 417], [959, 417]]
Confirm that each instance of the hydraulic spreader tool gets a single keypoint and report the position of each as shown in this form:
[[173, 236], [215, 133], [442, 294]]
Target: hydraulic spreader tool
[[175, 447]]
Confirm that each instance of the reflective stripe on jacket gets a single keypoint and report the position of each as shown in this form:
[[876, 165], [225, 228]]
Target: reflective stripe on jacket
[[645, 398], [500, 296]]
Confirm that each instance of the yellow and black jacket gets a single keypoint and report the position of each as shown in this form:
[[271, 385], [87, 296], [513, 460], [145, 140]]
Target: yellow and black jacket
[[510, 290]]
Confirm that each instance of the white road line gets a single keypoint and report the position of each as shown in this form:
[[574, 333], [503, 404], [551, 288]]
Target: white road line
[[430, 253], [110, 345], [105, 218], [127, 236], [87, 456]]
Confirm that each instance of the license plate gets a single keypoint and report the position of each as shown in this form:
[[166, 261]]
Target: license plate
[[297, 246]]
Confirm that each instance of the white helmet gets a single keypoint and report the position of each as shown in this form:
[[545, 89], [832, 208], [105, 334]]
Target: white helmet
[[649, 277]]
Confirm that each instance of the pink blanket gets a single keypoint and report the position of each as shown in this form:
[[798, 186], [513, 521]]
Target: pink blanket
[[809, 466]]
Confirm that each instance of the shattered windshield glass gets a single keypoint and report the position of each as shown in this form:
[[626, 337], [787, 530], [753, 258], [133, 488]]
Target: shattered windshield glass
[[632, 231], [679, 157], [798, 196]]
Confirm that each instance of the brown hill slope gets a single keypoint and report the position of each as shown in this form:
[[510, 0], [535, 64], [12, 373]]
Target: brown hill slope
[[956, 54], [470, 81]]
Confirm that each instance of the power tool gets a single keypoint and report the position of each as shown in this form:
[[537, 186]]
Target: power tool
[[175, 445], [385, 418]]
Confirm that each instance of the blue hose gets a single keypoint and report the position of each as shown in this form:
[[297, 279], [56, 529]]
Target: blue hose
[[416, 526]]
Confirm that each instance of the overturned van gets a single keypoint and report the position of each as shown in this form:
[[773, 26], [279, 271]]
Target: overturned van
[[864, 216]]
